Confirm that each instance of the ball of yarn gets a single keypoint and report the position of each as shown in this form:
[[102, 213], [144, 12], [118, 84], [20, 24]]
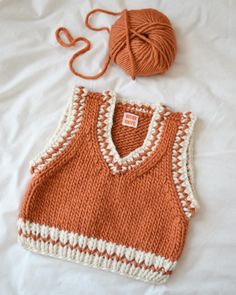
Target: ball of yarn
[[142, 42]]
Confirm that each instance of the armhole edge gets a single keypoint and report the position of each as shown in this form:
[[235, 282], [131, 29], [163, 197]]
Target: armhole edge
[[182, 165], [68, 126]]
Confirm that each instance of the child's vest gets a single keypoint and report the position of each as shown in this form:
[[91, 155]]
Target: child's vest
[[113, 188]]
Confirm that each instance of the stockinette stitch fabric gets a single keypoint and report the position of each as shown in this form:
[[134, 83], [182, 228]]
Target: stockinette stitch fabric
[[113, 188], [142, 42]]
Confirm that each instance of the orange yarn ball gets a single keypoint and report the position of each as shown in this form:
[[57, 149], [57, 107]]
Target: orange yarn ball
[[142, 42]]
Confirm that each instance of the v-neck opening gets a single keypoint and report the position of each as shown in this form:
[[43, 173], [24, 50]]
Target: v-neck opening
[[129, 128], [152, 124], [105, 122]]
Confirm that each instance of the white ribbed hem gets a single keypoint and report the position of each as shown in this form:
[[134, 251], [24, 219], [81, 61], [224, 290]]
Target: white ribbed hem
[[99, 254]]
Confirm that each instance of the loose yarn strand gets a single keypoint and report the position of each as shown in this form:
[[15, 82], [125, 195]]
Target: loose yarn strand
[[128, 45], [72, 42], [103, 11]]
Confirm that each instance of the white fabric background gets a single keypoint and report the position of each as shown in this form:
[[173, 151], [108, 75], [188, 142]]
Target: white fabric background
[[35, 84]]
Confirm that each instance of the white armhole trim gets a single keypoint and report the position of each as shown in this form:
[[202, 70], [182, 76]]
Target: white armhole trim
[[66, 130], [182, 170]]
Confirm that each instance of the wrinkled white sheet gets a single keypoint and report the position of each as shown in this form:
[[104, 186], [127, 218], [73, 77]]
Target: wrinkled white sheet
[[34, 87]]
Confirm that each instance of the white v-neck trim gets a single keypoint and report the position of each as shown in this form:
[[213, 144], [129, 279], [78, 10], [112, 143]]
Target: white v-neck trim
[[151, 129], [107, 146]]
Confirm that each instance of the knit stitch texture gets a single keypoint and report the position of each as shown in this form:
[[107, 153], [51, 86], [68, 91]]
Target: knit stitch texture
[[111, 196]]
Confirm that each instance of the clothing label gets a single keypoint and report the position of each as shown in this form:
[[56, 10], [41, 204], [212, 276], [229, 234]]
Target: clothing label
[[130, 120]]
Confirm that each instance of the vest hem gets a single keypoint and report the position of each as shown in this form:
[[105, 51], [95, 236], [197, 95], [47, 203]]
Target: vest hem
[[99, 254]]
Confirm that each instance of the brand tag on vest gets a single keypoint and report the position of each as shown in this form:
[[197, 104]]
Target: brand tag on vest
[[130, 120]]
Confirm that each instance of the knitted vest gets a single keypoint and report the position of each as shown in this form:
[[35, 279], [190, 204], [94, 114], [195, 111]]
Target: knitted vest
[[112, 189]]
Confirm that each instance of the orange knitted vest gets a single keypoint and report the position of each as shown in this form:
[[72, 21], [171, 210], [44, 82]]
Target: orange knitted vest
[[112, 189]]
